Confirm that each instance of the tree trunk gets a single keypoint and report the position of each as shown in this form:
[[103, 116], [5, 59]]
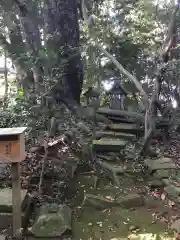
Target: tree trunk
[[5, 80], [63, 40]]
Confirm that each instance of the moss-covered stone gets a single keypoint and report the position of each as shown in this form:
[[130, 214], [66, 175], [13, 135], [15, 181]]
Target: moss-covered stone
[[161, 163], [131, 200], [52, 221], [108, 145]]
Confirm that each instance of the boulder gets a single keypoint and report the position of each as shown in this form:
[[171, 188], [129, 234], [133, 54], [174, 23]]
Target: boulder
[[52, 221]]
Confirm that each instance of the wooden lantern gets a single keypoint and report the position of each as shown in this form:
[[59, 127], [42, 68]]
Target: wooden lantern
[[12, 150]]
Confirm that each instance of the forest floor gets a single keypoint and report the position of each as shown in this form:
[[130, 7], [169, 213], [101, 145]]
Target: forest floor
[[145, 205], [157, 218]]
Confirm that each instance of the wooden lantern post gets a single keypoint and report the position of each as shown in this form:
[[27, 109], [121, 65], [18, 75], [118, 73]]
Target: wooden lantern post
[[12, 150]]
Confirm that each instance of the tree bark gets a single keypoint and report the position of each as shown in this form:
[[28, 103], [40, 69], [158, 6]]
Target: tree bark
[[6, 81], [63, 41]]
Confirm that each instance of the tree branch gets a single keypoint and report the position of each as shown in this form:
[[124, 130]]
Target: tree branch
[[138, 85], [126, 73]]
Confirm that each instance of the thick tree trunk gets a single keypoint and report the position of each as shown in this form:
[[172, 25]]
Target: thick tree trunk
[[56, 64], [5, 81], [63, 40]]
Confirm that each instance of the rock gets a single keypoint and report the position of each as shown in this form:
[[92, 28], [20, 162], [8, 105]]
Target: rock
[[176, 225], [6, 199], [98, 202], [52, 221], [155, 183], [166, 181], [130, 201], [164, 173], [161, 163], [172, 191], [106, 145]]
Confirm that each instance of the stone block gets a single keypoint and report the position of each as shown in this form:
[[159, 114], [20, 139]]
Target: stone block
[[161, 163], [130, 201]]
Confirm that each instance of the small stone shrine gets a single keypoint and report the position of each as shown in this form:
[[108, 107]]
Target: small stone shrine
[[115, 96]]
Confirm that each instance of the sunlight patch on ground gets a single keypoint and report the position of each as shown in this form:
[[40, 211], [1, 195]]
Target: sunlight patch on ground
[[146, 236]]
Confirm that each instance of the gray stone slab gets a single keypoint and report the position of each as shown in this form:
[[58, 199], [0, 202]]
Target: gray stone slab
[[6, 199], [130, 201], [161, 163], [108, 145]]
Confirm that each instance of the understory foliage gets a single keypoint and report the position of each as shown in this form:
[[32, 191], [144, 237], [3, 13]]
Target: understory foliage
[[55, 56]]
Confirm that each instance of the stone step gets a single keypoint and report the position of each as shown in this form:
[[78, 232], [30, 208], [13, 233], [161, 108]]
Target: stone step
[[161, 163], [125, 128], [119, 135], [120, 119], [108, 145]]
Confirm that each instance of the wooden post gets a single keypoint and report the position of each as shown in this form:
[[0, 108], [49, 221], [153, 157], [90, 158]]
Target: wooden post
[[12, 150], [16, 197]]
